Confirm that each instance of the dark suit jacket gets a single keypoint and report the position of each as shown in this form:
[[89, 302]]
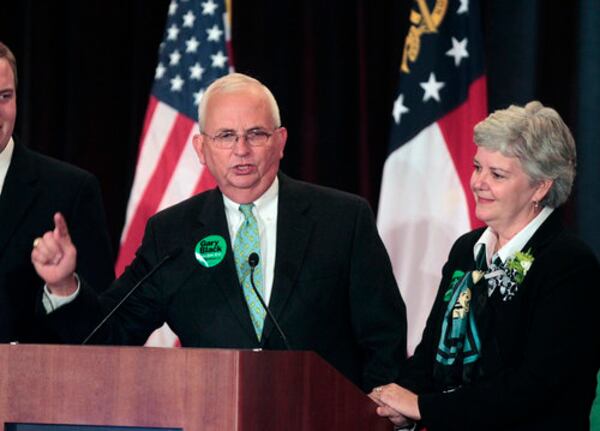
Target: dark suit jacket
[[34, 189], [541, 359], [333, 290]]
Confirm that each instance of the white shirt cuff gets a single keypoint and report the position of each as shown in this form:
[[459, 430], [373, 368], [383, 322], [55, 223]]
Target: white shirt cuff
[[52, 302]]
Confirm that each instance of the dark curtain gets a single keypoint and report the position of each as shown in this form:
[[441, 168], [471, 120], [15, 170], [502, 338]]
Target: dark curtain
[[86, 69], [85, 72]]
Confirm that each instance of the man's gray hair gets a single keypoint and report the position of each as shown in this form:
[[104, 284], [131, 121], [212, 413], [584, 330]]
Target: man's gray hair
[[233, 82]]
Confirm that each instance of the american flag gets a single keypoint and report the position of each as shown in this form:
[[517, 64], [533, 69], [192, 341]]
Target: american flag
[[193, 53], [425, 201]]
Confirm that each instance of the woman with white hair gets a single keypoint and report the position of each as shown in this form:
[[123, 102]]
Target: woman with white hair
[[512, 339]]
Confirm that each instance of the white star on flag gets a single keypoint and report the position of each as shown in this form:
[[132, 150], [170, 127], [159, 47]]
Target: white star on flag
[[209, 7], [432, 88], [177, 83], [187, 64], [446, 93], [214, 33], [399, 108], [218, 60], [173, 32], [160, 71], [458, 50], [188, 19], [192, 44], [174, 57], [196, 71], [172, 8]]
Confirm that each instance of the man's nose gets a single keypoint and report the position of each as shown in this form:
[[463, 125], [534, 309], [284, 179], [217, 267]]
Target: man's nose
[[241, 145]]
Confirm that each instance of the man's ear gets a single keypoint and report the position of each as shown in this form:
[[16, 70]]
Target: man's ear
[[198, 142], [282, 139]]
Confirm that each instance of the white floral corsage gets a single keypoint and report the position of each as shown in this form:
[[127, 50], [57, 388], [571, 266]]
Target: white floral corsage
[[507, 277]]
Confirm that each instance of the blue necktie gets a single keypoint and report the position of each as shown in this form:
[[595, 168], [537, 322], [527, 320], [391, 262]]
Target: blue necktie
[[247, 241]]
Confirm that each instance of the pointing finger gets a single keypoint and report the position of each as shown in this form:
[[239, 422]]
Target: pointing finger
[[61, 231]]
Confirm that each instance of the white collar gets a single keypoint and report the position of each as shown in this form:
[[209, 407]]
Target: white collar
[[5, 158], [263, 201], [489, 239]]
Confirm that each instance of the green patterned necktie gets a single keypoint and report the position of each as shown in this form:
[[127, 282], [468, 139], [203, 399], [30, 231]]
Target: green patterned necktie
[[247, 241]]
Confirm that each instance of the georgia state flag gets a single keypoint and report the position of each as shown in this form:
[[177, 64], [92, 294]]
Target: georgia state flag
[[425, 202]]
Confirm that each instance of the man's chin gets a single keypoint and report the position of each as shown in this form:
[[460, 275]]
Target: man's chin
[[244, 182], [240, 184]]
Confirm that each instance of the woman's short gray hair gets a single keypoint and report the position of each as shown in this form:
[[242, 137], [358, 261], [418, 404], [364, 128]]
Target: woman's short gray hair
[[233, 82], [539, 138]]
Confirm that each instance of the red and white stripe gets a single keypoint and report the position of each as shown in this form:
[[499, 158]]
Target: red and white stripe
[[167, 172], [426, 204]]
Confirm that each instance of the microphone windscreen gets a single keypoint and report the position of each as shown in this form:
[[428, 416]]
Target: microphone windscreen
[[253, 260]]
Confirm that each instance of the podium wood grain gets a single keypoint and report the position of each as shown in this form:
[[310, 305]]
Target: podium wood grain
[[191, 389]]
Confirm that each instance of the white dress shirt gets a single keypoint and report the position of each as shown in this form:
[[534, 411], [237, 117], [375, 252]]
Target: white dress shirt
[[489, 239], [265, 211], [5, 158]]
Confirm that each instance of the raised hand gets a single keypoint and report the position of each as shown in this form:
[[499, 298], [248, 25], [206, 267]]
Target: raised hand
[[55, 257]]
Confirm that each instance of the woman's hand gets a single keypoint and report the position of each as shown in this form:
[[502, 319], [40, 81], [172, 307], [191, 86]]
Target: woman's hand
[[396, 403]]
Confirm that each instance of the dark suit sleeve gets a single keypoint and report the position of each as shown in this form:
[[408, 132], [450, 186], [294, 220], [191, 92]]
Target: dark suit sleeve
[[557, 355], [135, 319], [89, 233], [378, 312]]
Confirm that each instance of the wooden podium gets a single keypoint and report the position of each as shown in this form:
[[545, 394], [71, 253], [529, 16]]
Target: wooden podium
[[188, 389]]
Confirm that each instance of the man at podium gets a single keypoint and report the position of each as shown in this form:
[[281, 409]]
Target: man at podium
[[311, 253]]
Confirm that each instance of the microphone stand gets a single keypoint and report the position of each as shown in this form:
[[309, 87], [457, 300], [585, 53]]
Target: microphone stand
[[171, 255], [253, 262]]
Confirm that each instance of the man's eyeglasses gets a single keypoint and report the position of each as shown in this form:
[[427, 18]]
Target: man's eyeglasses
[[253, 137]]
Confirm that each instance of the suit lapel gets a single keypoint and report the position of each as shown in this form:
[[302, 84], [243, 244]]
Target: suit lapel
[[212, 221], [18, 193], [293, 234]]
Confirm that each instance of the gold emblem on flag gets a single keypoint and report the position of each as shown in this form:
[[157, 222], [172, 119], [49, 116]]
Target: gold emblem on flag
[[423, 21]]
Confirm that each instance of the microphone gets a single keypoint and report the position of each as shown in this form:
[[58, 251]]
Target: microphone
[[173, 254], [253, 262]]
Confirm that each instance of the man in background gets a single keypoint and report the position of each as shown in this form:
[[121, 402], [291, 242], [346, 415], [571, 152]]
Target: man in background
[[32, 188]]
